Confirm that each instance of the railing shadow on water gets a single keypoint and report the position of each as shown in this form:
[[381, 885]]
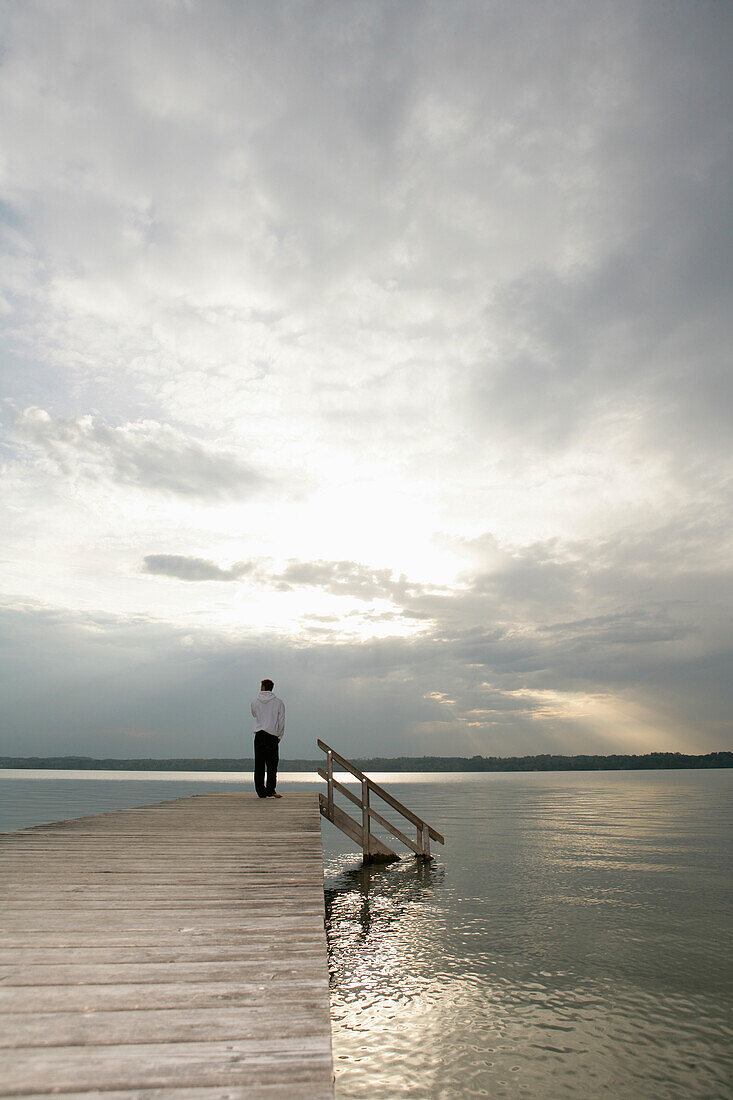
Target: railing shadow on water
[[372, 898]]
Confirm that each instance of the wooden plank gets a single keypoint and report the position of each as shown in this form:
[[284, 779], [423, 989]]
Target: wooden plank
[[291, 888], [141, 879], [365, 820], [224, 1092], [100, 973], [342, 820], [176, 950], [124, 919], [106, 998], [249, 932], [41, 956], [251, 922], [162, 1065], [161, 892], [180, 1025], [93, 899]]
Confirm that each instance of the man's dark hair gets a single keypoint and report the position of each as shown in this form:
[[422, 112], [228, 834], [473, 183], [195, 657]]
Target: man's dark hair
[[267, 685]]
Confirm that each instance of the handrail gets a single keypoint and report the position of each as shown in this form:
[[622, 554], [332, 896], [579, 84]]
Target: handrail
[[381, 791], [371, 847], [340, 788]]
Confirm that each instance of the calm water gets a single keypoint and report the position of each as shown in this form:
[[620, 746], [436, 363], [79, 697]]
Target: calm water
[[572, 939]]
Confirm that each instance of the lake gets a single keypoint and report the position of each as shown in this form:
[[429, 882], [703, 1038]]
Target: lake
[[572, 939]]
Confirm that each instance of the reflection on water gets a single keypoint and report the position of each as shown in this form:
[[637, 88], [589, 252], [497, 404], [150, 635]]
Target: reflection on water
[[366, 899], [572, 940]]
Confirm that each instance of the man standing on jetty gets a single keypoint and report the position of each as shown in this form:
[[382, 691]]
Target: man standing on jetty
[[269, 714]]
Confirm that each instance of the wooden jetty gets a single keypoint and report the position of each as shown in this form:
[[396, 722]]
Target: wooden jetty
[[169, 952]]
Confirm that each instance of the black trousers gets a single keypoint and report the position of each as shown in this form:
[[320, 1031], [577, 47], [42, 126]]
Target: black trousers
[[267, 756]]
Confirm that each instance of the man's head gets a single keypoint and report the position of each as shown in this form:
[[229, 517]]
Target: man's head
[[266, 685]]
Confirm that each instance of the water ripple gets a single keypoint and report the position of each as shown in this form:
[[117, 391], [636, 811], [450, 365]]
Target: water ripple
[[563, 946]]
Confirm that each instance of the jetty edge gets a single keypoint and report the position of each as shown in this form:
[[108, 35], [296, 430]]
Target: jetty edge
[[176, 949]]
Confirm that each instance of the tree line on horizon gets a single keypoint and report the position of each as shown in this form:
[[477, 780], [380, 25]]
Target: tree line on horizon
[[541, 762]]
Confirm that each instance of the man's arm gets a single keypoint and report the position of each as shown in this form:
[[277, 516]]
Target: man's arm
[[252, 708], [281, 720]]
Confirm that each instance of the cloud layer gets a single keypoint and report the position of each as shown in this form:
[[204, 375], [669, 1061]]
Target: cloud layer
[[147, 454], [190, 569], [409, 328]]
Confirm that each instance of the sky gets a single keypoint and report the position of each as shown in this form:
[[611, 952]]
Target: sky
[[381, 349]]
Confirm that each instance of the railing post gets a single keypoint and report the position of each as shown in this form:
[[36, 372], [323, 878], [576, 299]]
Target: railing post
[[365, 820], [423, 841], [329, 773]]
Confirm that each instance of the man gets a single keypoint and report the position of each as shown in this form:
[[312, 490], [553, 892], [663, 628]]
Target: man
[[269, 714]]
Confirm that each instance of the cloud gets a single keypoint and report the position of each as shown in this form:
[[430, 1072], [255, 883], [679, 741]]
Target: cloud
[[192, 569], [581, 686], [540, 644], [408, 237], [628, 336], [339, 578], [346, 578], [626, 341], [146, 454], [462, 273]]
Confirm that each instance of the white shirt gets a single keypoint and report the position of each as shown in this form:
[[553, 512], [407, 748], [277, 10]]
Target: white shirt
[[269, 714]]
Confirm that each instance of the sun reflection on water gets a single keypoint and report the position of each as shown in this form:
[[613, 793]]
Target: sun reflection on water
[[568, 941]]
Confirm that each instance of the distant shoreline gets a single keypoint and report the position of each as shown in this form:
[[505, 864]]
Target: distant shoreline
[[653, 761]]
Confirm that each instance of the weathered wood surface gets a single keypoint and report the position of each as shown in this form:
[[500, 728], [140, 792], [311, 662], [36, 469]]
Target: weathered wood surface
[[171, 951]]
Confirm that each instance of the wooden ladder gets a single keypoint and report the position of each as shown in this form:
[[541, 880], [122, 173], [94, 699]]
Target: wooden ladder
[[374, 850]]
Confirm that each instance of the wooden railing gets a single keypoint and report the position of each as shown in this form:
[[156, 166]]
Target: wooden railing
[[360, 831]]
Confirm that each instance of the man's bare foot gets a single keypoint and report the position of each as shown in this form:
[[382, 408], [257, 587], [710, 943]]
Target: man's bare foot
[[276, 795]]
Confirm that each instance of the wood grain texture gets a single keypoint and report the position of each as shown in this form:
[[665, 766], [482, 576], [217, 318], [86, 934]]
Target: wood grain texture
[[174, 950]]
